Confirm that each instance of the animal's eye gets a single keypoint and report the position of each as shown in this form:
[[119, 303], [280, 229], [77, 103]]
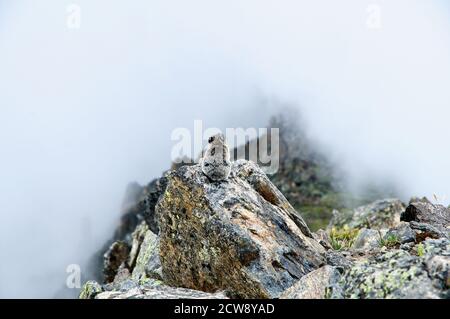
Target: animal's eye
[[206, 164], [211, 139]]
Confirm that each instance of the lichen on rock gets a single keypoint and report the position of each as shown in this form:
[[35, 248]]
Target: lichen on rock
[[398, 274], [425, 212], [313, 285], [379, 214], [239, 235], [148, 264], [90, 290], [148, 289]]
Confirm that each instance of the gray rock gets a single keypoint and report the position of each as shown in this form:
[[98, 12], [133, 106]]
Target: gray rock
[[165, 292], [323, 238], [110, 295], [435, 215], [398, 274], [439, 269], [160, 293], [367, 239], [123, 273], [338, 260], [121, 284], [379, 214], [139, 262], [145, 289], [252, 174], [137, 236], [313, 285], [240, 235], [426, 230], [439, 246], [90, 290], [153, 192], [148, 264], [407, 246], [126, 285], [403, 233]]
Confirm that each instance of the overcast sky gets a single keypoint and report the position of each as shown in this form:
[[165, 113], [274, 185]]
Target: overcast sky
[[84, 111]]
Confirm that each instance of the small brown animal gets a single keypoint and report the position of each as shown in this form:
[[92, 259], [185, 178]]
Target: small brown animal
[[216, 161]]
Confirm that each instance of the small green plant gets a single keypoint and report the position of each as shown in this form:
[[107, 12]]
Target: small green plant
[[389, 241], [420, 250], [342, 238]]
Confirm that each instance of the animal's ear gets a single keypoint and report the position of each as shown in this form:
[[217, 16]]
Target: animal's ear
[[211, 139]]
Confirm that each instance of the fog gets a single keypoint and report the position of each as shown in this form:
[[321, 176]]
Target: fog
[[84, 111]]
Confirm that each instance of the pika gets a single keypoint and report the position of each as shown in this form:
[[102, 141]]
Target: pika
[[216, 161]]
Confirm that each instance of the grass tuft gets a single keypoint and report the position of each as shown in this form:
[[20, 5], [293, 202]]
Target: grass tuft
[[343, 238]]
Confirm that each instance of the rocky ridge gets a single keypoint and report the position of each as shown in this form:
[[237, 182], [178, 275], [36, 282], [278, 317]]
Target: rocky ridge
[[187, 237]]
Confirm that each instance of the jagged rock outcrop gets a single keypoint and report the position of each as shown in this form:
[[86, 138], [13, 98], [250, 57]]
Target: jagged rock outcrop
[[185, 236], [138, 275], [241, 238], [138, 260], [138, 205], [240, 235]]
